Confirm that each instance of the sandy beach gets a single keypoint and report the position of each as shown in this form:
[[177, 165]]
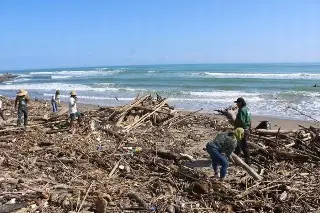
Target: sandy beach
[[276, 123], [60, 162]]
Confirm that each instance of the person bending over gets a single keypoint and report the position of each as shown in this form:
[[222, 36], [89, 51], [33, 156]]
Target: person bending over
[[223, 144]]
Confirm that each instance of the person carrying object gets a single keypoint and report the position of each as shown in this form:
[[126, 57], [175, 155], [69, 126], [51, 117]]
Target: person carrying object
[[54, 104], [224, 143], [22, 100], [73, 112], [243, 120]]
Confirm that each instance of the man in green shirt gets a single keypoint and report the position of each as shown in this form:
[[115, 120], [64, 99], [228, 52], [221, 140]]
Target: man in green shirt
[[243, 120]]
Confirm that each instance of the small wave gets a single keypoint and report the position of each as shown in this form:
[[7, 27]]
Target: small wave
[[152, 71], [260, 75], [61, 76], [104, 84], [221, 93], [23, 75], [91, 97], [79, 72], [66, 87]]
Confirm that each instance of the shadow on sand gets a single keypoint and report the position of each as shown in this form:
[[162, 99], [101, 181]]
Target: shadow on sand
[[199, 163]]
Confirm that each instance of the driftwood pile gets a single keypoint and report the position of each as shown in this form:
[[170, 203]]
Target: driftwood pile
[[110, 163]]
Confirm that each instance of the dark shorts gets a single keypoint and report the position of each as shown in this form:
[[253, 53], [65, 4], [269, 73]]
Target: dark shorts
[[73, 116]]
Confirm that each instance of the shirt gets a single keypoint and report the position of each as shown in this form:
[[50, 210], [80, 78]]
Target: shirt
[[243, 118], [72, 105], [0, 104], [22, 101], [224, 143]]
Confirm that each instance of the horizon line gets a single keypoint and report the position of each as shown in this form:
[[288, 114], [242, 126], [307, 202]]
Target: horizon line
[[211, 63]]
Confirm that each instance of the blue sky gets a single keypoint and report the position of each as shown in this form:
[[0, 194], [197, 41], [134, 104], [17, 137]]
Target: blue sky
[[66, 33]]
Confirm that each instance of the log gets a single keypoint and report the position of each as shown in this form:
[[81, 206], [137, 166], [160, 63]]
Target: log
[[245, 166], [52, 131], [7, 208], [150, 110], [274, 132], [138, 199], [290, 156]]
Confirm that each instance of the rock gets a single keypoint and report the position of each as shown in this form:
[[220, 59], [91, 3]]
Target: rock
[[200, 187], [170, 209], [101, 205], [112, 204]]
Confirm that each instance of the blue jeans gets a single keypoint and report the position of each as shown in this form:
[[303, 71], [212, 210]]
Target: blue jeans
[[217, 159], [54, 107]]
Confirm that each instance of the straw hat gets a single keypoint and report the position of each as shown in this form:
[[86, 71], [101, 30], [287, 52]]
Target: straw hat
[[22, 92], [73, 93]]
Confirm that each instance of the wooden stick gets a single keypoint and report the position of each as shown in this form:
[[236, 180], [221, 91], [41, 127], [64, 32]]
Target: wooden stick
[[138, 123], [135, 103], [52, 131], [245, 166], [274, 132], [85, 196], [114, 168]]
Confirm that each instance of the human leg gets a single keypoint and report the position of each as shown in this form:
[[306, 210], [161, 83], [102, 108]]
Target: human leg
[[210, 149], [221, 160], [244, 146], [20, 114], [25, 116], [2, 115]]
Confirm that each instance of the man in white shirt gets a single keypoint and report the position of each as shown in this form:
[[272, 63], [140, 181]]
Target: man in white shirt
[[73, 112]]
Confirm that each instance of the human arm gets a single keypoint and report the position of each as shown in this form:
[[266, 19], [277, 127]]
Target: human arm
[[27, 97], [16, 102], [240, 119]]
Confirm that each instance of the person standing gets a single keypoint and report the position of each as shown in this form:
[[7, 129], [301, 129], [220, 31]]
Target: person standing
[[21, 102], [57, 96], [54, 104], [224, 143], [73, 111], [1, 112], [243, 120]]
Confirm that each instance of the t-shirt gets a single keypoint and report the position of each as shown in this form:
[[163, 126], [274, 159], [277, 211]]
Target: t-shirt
[[72, 105]]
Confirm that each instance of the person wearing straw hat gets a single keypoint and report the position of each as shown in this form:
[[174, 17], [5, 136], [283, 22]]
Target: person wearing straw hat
[[243, 120], [224, 143], [73, 111], [21, 102]]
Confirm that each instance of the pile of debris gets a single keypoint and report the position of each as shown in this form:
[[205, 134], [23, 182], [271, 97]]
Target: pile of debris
[[140, 158]]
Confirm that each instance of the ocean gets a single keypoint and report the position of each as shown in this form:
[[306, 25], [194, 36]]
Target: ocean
[[269, 89]]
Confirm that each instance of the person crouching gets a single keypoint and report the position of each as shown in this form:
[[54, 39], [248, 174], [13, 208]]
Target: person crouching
[[73, 112], [224, 143]]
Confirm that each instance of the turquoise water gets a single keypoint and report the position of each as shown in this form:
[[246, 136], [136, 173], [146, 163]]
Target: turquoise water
[[268, 88]]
